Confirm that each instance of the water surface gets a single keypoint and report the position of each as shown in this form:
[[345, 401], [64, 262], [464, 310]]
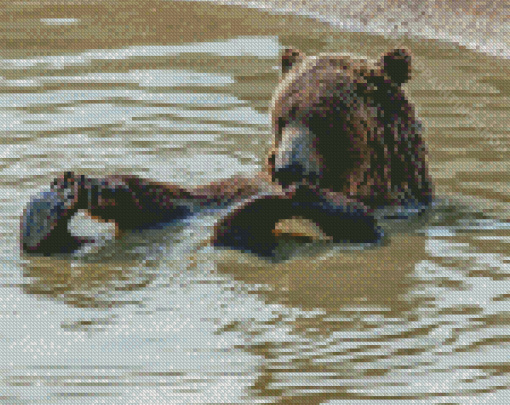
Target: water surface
[[178, 92]]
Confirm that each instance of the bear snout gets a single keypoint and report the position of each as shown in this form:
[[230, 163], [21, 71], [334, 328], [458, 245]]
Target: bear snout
[[297, 160], [292, 174]]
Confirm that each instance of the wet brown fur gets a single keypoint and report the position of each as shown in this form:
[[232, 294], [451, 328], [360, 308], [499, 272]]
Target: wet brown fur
[[367, 141], [366, 132]]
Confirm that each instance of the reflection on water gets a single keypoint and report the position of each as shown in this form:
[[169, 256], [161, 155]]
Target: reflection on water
[[160, 316]]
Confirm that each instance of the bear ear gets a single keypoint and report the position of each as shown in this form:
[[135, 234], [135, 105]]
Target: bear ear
[[396, 65], [289, 58]]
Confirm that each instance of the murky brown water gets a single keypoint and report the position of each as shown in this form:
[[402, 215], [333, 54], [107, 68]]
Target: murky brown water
[[179, 92]]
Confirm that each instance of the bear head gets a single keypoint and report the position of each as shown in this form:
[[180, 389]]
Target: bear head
[[345, 125]]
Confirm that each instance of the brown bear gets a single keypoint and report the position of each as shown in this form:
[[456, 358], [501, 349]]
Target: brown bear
[[345, 136]]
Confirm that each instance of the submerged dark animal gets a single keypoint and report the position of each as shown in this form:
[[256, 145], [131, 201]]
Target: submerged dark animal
[[345, 137]]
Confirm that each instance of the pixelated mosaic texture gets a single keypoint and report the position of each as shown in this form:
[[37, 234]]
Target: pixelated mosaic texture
[[151, 150]]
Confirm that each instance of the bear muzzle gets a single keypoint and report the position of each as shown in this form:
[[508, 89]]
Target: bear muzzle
[[297, 160]]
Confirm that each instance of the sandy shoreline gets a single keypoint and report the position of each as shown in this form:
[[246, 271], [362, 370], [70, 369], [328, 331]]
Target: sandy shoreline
[[481, 26], [476, 25]]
